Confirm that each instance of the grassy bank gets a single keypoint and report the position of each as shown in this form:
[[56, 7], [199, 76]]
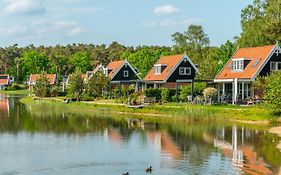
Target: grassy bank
[[171, 111], [18, 92]]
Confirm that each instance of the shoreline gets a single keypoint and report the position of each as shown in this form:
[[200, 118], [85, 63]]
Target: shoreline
[[236, 114]]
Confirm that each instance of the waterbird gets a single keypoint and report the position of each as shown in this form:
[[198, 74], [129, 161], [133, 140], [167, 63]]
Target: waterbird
[[149, 170], [127, 173]]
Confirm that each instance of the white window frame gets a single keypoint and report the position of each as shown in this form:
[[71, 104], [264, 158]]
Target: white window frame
[[184, 71], [238, 65], [126, 73], [274, 65], [157, 69]]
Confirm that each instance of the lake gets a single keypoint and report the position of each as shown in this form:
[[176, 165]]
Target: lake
[[53, 143]]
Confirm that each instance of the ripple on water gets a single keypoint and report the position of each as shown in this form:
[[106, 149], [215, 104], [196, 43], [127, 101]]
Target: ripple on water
[[94, 164], [10, 173]]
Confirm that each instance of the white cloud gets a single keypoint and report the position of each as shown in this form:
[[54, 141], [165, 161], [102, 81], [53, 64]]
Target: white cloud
[[65, 24], [25, 7], [173, 23], [15, 31], [76, 31], [166, 9], [149, 24]]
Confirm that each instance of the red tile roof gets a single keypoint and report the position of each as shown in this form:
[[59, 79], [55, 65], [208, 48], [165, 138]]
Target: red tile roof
[[4, 79], [253, 54], [170, 62], [51, 78], [114, 66]]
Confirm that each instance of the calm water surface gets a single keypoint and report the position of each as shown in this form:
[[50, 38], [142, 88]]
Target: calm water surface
[[48, 142]]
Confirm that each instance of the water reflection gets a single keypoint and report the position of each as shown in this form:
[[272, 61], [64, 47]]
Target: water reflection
[[74, 144]]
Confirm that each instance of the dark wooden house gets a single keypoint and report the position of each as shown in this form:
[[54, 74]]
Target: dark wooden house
[[235, 79], [170, 71]]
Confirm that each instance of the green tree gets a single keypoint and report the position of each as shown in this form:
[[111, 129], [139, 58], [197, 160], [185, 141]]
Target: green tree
[[261, 23], [42, 87], [192, 39], [145, 57], [33, 62], [97, 85], [272, 92], [76, 84], [80, 60]]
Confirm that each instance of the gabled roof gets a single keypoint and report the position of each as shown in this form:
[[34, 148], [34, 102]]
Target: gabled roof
[[4, 79], [171, 63], [51, 78], [258, 57], [115, 67], [98, 67]]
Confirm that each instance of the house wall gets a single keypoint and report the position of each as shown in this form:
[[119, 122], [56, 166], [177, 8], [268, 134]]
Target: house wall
[[120, 75], [173, 85], [266, 70], [176, 76]]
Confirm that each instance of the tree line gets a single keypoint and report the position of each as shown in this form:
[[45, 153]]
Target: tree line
[[260, 21]]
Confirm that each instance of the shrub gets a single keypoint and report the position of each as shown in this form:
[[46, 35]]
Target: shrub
[[15, 87], [42, 88], [165, 95], [153, 93], [210, 94], [272, 92], [76, 85], [187, 91]]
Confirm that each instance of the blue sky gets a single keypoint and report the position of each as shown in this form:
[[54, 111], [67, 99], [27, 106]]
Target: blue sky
[[130, 22]]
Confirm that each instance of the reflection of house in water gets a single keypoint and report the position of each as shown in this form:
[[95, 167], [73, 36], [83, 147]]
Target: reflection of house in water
[[114, 136], [4, 106], [163, 142], [242, 155]]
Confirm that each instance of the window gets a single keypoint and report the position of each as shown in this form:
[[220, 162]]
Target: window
[[185, 71], [256, 63], [126, 73], [274, 66], [238, 65], [157, 69]]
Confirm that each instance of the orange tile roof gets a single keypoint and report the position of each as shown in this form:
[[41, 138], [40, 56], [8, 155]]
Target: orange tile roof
[[51, 78], [84, 76], [4, 79], [253, 54], [114, 66], [170, 62]]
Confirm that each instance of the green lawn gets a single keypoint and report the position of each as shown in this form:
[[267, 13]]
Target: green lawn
[[18, 92], [168, 110]]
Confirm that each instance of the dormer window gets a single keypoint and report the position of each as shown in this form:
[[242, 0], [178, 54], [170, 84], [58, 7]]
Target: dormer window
[[238, 65], [158, 68], [107, 71]]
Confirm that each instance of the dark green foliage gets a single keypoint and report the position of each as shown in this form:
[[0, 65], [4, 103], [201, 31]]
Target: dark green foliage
[[165, 95], [272, 92], [76, 85], [97, 86], [153, 93], [42, 88], [33, 62], [15, 87], [143, 58], [260, 23], [187, 91]]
